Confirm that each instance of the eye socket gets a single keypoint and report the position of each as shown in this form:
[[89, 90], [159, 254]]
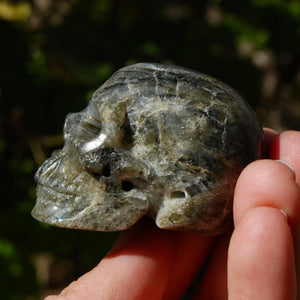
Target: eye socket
[[87, 129]]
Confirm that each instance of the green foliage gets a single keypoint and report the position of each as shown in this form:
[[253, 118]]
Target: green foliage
[[9, 253], [244, 31], [54, 54]]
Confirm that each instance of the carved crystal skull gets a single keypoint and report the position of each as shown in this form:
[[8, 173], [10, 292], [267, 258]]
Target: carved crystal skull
[[155, 140]]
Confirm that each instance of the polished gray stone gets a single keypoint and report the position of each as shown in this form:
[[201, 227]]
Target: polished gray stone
[[155, 140]]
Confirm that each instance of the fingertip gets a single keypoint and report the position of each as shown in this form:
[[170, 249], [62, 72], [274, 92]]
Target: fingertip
[[286, 147], [267, 183]]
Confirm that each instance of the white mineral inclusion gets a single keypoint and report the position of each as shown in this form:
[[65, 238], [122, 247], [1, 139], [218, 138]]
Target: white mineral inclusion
[[156, 140], [94, 144]]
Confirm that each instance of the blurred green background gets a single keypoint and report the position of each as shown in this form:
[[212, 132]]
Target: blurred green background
[[54, 54]]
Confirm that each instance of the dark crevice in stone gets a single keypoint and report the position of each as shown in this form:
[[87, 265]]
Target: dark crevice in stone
[[96, 176], [127, 185], [177, 194], [128, 133], [106, 171]]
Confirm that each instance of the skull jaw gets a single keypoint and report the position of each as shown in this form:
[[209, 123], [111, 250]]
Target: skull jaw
[[70, 197], [110, 213]]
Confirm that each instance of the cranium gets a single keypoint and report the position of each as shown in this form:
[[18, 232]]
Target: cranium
[[154, 140]]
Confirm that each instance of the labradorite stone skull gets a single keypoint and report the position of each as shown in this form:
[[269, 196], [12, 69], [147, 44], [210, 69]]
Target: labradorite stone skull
[[156, 140]]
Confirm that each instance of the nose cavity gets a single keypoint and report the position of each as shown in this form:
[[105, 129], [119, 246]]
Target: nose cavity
[[107, 163], [102, 162]]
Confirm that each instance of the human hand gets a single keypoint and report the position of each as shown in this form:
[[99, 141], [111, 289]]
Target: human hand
[[255, 261]]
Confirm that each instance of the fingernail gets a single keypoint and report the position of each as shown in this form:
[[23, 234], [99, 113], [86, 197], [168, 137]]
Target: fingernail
[[284, 213], [287, 164]]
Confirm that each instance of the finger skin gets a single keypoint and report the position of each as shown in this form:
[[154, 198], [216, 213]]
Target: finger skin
[[269, 135], [267, 183], [261, 258], [213, 286], [261, 263], [148, 263], [286, 146], [137, 268], [191, 251]]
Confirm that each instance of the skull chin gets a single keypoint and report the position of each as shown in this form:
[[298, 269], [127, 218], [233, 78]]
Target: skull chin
[[68, 196]]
